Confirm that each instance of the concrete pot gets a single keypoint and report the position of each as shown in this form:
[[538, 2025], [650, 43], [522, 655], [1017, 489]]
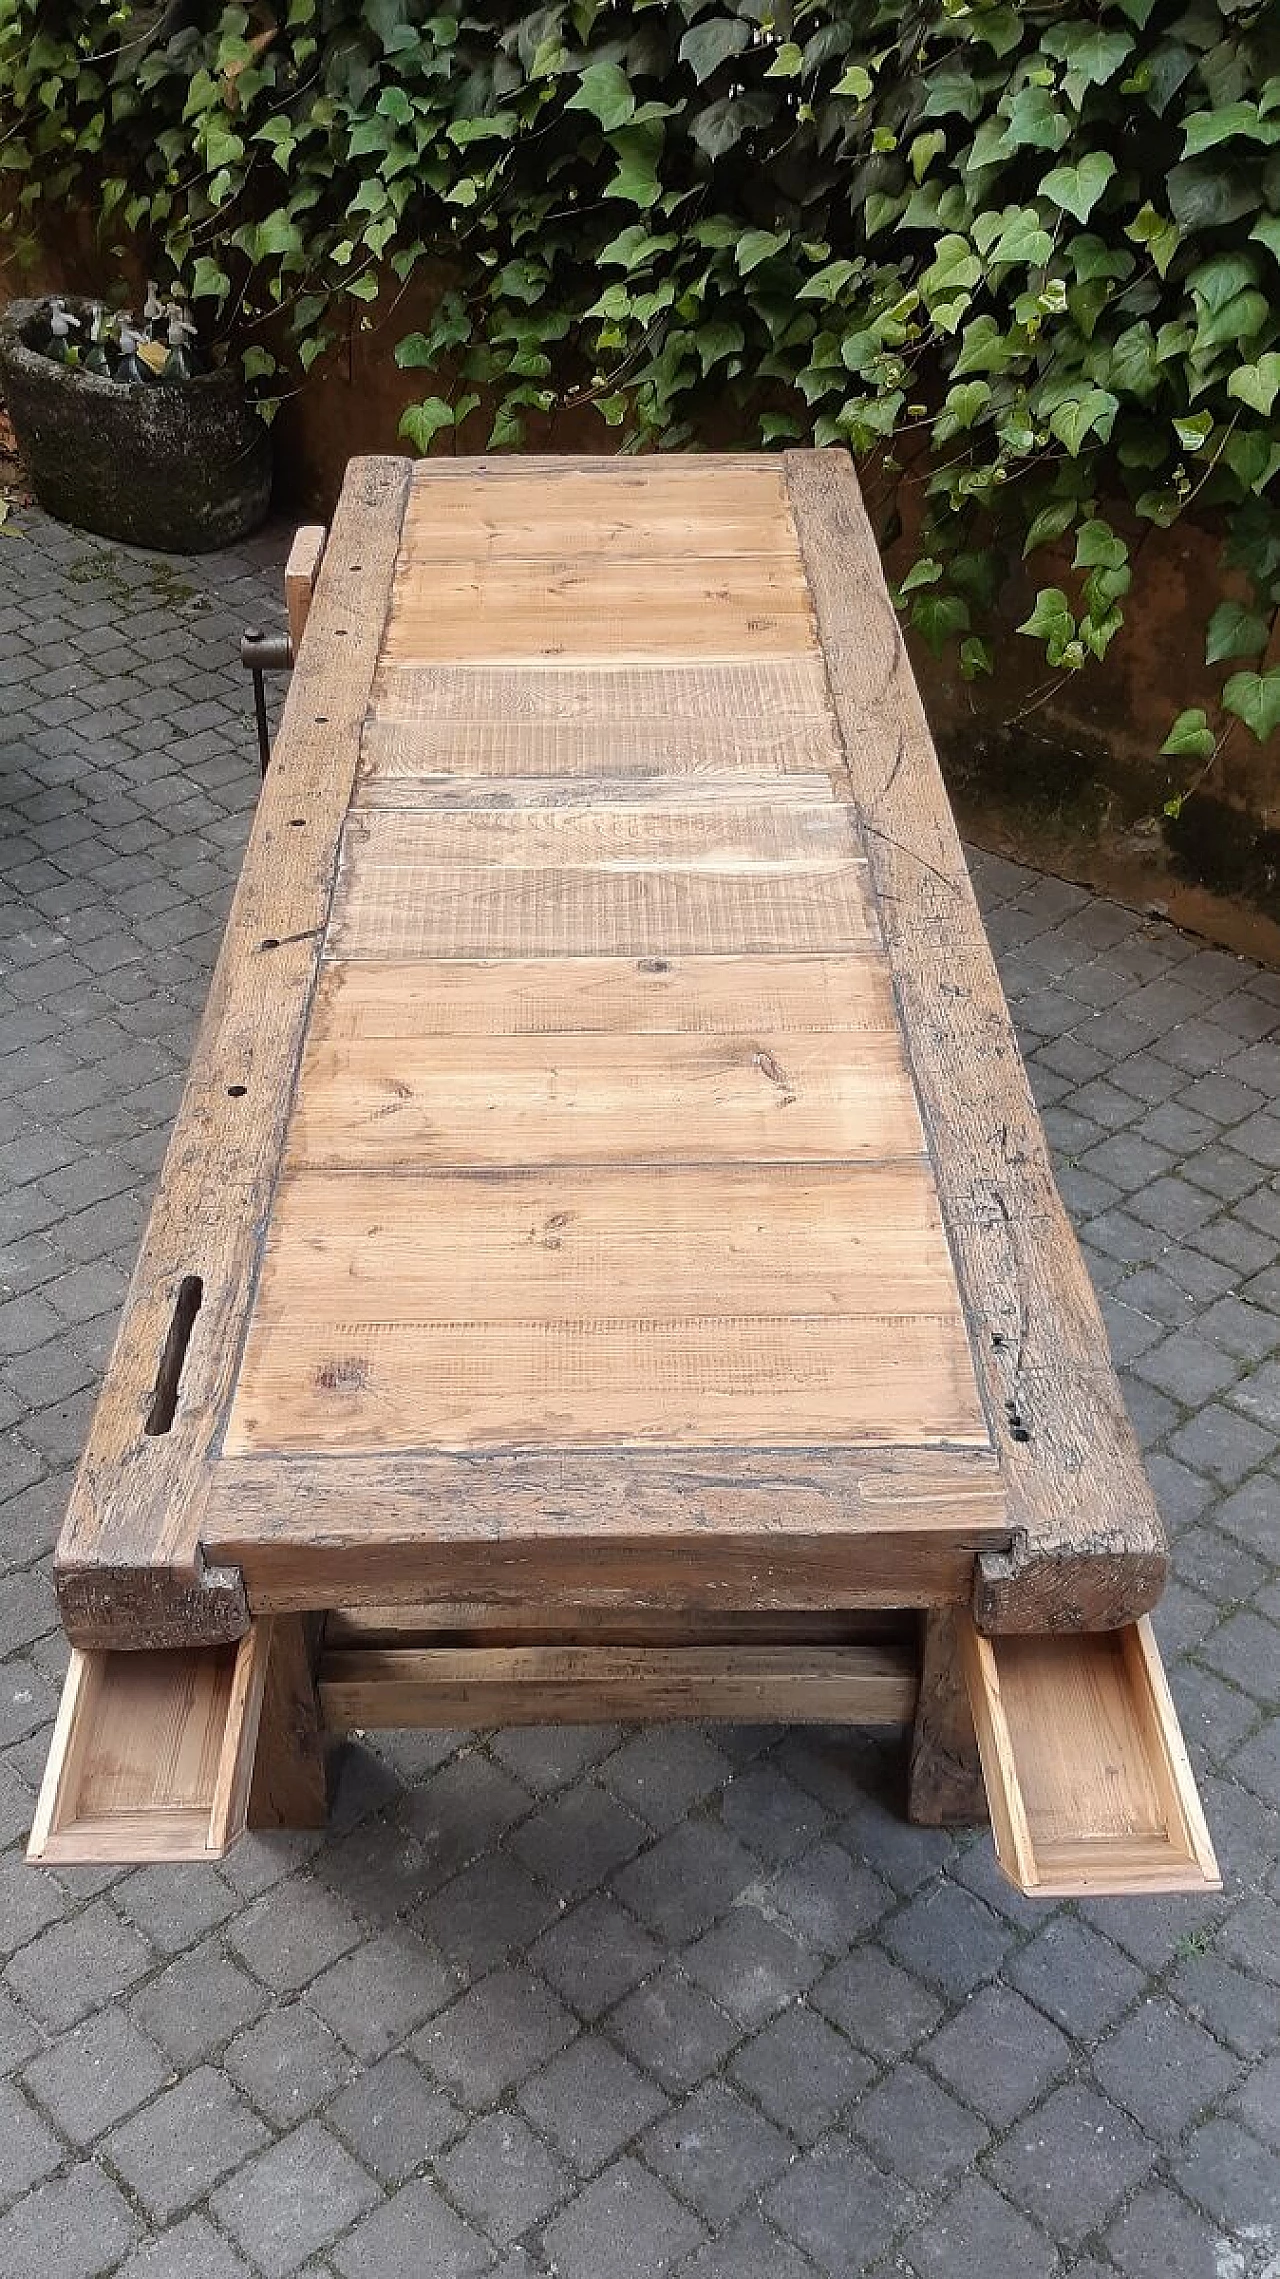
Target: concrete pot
[[183, 467]]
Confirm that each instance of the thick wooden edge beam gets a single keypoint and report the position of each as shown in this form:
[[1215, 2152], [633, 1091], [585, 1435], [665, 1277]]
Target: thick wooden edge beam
[[1088, 1550], [130, 1570], [300, 574]]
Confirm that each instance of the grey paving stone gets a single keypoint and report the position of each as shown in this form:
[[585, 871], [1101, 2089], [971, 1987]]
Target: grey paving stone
[[802, 2072], [77, 1965], [491, 1911], [415, 2231], [287, 1937], [918, 2129], [29, 2150], [750, 2249], [827, 1897], [394, 2119], [623, 2225], [977, 2231], [376, 1995], [1161, 2234], [288, 2063], [883, 2007], [590, 2101], [839, 2208], [999, 2053], [495, 2035], [1071, 2163], [595, 1954], [195, 2006], [751, 1966], [1236, 2180], [684, 1881], [1163, 2068], [950, 1937], [673, 2029], [191, 2250], [178, 2148], [460, 1812], [662, 1772], [717, 2152], [503, 2177], [294, 2199], [1239, 2010], [78, 2226], [96, 2075], [576, 1839]]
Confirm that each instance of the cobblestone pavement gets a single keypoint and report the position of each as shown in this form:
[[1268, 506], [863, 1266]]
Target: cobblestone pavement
[[610, 2003]]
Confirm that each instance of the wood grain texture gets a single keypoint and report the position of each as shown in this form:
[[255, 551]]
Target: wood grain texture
[[567, 1245], [290, 1787], [740, 838], [592, 1685], [768, 715], [129, 1560], [587, 512], [607, 996], [300, 574], [882, 1527], [1089, 1550], [568, 612], [669, 794], [944, 1772], [1091, 1792], [586, 1098]]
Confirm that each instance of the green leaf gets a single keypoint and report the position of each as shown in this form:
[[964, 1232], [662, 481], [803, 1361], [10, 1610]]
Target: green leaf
[[1052, 522], [421, 422], [1254, 698], [1232, 122], [923, 573], [976, 656], [1078, 188], [1023, 240], [1098, 547], [855, 82], [787, 63], [1160, 236], [1235, 631], [706, 46], [1256, 384], [1052, 622], [757, 245], [1190, 738], [605, 92], [637, 149], [939, 617], [1092, 413]]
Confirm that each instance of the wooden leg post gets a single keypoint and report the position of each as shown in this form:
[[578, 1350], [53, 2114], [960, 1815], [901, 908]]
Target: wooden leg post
[[944, 1782], [290, 1786]]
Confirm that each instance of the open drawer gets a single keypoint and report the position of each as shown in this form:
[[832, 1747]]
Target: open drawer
[[1085, 1766], [152, 1754]]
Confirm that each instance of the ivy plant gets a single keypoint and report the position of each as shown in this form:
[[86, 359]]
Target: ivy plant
[[1023, 258]]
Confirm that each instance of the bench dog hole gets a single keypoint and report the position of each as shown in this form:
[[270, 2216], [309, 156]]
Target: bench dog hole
[[164, 1400]]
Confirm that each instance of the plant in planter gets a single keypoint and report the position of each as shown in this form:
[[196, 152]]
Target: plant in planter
[[127, 429]]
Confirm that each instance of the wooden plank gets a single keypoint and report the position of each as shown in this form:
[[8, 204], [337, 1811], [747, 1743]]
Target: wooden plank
[[766, 715], [300, 574], [706, 996], [151, 1755], [944, 1773], [1089, 1551], [437, 910], [290, 1787], [568, 1245], [591, 1685], [669, 794], [559, 613], [591, 512], [129, 1560], [450, 1622], [599, 1099], [1085, 1766], [877, 1527], [361, 1387], [735, 836]]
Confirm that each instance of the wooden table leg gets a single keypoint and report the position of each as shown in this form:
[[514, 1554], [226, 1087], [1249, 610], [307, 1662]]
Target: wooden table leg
[[290, 1784], [944, 1782]]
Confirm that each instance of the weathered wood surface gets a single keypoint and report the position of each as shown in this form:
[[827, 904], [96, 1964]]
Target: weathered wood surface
[[1088, 1549], [607, 1163]]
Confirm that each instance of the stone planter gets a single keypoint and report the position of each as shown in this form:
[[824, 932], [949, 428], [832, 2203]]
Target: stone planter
[[183, 467]]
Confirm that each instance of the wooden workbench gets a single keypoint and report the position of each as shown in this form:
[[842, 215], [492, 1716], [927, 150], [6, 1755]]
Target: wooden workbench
[[608, 1260]]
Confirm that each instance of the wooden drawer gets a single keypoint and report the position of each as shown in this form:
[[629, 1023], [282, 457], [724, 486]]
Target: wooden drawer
[[152, 1754], [1085, 1766]]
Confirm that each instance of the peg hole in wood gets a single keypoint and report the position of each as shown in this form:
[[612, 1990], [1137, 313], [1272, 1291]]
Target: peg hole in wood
[[269, 942], [236, 1091], [164, 1399]]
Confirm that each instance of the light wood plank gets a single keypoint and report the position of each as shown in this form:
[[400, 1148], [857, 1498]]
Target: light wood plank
[[371, 1387], [300, 574], [567, 1246], [558, 613], [669, 794], [759, 1098], [538, 1685], [613, 511], [1086, 1770], [731, 836], [437, 910], [724, 996]]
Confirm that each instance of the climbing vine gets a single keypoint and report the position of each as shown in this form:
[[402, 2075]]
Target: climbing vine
[[1026, 257]]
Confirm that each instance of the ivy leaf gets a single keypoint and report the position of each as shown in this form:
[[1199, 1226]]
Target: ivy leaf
[[757, 245], [1235, 631], [1190, 738], [1078, 188], [636, 150], [1052, 622], [1099, 547], [1160, 236], [923, 573], [421, 422], [939, 617], [706, 46], [1092, 57], [1092, 413], [1257, 384], [976, 656], [788, 63], [1254, 698], [1023, 240], [605, 92], [1052, 522]]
